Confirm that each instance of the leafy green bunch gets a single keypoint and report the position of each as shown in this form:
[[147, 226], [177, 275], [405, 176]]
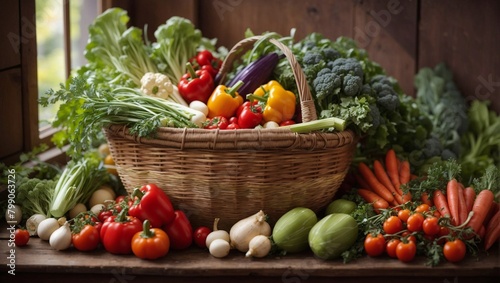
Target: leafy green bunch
[[346, 84]]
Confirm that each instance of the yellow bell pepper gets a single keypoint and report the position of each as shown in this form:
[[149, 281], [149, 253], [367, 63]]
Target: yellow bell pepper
[[280, 103], [224, 101]]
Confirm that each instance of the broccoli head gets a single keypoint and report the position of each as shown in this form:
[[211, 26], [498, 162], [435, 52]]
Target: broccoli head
[[326, 84], [312, 58], [383, 90], [330, 54], [432, 147], [352, 84], [35, 195], [346, 66]]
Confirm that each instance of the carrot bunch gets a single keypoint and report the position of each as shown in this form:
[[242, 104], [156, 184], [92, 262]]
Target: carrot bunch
[[471, 207], [382, 186], [459, 203]]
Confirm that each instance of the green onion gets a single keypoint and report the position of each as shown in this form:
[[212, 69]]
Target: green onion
[[316, 125]]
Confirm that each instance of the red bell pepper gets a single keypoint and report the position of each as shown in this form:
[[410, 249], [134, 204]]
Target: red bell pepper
[[249, 115], [152, 203], [180, 231], [196, 85], [117, 232]]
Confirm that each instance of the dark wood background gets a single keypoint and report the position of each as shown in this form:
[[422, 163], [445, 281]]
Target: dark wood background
[[402, 35]]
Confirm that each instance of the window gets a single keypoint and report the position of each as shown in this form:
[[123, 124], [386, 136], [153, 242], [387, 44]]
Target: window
[[62, 33]]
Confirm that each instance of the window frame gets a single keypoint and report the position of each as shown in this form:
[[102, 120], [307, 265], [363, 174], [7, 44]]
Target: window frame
[[33, 134]]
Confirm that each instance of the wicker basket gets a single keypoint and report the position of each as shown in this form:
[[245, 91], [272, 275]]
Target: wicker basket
[[232, 174]]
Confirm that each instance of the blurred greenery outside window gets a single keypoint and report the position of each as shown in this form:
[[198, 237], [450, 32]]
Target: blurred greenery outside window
[[50, 34]]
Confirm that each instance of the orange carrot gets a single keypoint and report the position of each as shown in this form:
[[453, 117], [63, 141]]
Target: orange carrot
[[452, 198], [482, 204], [491, 212], [424, 197], [391, 163], [413, 177], [470, 196], [372, 181], [404, 172], [382, 176], [362, 183], [462, 206], [370, 197], [441, 203], [492, 233]]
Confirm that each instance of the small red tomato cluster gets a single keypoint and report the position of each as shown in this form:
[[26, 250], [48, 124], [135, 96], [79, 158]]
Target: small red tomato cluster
[[144, 223], [402, 229]]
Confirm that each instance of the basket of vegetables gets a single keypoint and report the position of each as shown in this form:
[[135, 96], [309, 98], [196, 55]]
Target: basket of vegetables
[[228, 173]]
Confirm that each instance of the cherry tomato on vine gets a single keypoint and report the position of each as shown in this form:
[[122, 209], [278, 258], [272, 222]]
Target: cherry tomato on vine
[[415, 222], [87, 239], [21, 237], [392, 225], [200, 236], [407, 235], [406, 252], [422, 208], [374, 245], [454, 251], [431, 226], [404, 214], [390, 247]]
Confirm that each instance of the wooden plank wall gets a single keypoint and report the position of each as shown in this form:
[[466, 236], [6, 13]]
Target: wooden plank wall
[[402, 35], [18, 93]]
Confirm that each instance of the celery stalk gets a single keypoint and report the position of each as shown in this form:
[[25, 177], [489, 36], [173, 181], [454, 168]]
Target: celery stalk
[[311, 126]]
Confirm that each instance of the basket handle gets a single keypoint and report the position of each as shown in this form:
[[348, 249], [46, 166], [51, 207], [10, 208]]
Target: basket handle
[[307, 106]]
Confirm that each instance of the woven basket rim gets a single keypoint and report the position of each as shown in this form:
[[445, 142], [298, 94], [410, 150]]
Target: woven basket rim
[[240, 139]]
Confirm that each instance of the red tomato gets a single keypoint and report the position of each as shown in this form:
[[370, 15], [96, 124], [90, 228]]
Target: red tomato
[[105, 214], [431, 226], [21, 237], [415, 222], [200, 236], [454, 251], [87, 239], [374, 245], [390, 247], [404, 214], [392, 225], [422, 208], [406, 252], [179, 231]]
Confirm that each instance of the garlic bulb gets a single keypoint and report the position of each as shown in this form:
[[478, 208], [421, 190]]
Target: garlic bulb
[[216, 234], [61, 238], [259, 246], [246, 229], [46, 227]]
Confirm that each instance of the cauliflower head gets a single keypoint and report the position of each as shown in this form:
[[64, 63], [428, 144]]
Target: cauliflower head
[[156, 84]]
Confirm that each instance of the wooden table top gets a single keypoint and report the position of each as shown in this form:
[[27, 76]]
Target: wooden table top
[[39, 260]]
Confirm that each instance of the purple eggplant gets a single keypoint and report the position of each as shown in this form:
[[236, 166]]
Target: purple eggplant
[[255, 74]]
